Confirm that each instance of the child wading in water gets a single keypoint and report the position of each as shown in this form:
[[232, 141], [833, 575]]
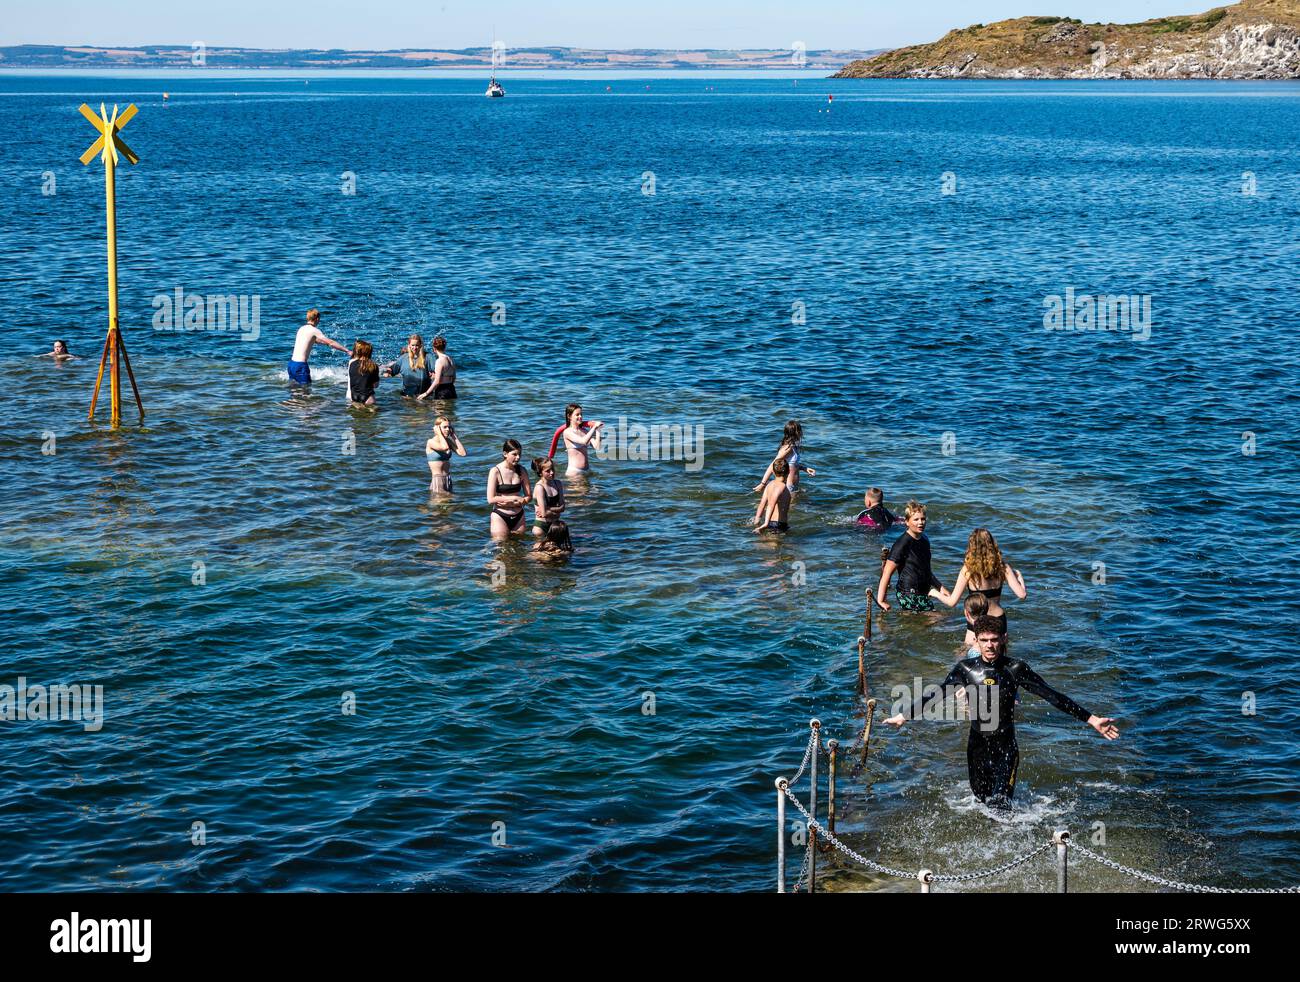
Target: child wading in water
[[363, 375], [548, 496], [877, 517], [789, 450], [910, 556], [773, 513]]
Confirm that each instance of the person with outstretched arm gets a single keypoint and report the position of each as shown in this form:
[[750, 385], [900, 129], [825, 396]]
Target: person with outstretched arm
[[992, 754]]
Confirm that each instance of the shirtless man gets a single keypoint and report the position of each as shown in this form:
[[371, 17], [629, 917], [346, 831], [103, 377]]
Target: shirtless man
[[577, 437], [308, 335], [774, 509]]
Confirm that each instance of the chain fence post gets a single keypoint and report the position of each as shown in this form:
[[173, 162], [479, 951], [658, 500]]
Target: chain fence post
[[833, 746], [781, 785], [1062, 840], [816, 726], [866, 734], [926, 877], [862, 661]]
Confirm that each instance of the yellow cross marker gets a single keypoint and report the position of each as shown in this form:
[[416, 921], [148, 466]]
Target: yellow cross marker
[[110, 147]]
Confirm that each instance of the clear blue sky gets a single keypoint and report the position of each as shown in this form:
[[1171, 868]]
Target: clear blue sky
[[518, 23]]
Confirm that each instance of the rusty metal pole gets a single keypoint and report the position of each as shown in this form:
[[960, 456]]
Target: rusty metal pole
[[866, 735], [833, 746]]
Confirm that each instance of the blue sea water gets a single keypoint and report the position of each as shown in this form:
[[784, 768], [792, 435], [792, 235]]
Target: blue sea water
[[496, 696]]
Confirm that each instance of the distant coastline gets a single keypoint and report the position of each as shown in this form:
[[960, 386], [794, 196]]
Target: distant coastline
[[214, 57], [1252, 39]]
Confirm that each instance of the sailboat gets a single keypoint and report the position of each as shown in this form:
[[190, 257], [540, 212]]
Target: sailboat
[[494, 89]]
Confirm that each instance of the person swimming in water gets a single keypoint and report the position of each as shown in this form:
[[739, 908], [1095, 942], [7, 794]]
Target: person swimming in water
[[438, 450], [508, 492], [877, 518], [986, 573], [789, 450], [992, 753], [578, 436], [548, 496], [442, 385], [309, 334], [60, 352], [773, 513], [555, 544], [413, 365], [910, 556]]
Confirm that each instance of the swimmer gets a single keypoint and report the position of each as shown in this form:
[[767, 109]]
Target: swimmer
[[508, 492], [577, 437], [438, 450], [442, 385], [773, 513], [413, 365], [992, 754], [791, 445], [548, 496], [60, 352], [986, 572], [308, 335], [910, 556], [555, 544], [877, 517], [363, 375]]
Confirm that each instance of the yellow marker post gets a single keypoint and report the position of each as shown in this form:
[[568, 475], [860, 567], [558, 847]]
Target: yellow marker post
[[109, 145]]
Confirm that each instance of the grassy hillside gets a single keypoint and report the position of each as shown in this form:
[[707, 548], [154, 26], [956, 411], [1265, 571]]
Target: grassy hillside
[[1250, 39]]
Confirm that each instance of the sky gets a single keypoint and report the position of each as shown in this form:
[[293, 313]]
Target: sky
[[857, 24]]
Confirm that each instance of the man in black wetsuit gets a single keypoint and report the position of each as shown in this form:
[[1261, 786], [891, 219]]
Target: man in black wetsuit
[[991, 751]]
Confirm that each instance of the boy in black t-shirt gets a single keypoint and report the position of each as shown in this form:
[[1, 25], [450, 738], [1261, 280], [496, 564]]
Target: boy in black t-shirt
[[910, 557]]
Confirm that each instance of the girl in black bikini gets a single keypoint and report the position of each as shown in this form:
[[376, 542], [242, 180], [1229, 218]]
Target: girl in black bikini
[[548, 496], [985, 572], [508, 492]]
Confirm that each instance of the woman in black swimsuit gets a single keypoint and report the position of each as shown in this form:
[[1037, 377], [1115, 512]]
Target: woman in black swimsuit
[[508, 492], [985, 572], [548, 496]]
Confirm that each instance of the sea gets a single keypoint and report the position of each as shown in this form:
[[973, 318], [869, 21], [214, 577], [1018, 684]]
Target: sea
[[317, 677]]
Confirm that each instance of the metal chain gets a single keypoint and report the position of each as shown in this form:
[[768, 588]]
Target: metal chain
[[1174, 884], [816, 826], [963, 877], [807, 756]]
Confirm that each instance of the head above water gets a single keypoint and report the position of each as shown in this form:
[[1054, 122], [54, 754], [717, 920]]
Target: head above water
[[511, 451], [984, 560], [793, 435], [874, 497], [440, 344], [313, 317], [557, 538], [442, 425], [60, 347], [543, 467], [977, 605], [781, 467], [914, 515], [989, 638], [362, 351], [569, 412]]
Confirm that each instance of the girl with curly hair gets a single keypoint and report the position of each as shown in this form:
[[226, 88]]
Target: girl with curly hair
[[985, 572]]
